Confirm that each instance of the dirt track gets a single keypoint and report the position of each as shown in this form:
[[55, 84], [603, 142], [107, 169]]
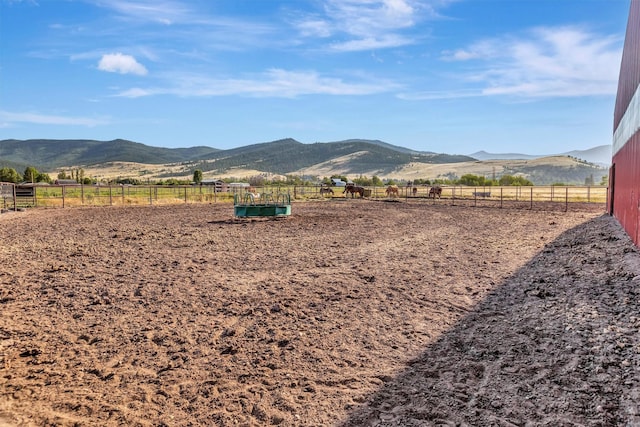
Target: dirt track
[[346, 313]]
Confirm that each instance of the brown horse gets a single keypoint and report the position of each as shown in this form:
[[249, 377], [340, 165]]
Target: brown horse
[[353, 189], [392, 190], [435, 191], [325, 190]]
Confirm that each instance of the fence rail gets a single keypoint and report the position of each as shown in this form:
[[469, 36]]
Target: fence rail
[[8, 195], [63, 196]]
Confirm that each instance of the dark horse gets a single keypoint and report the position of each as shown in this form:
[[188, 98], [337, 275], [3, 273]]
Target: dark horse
[[435, 191], [353, 189], [325, 190]]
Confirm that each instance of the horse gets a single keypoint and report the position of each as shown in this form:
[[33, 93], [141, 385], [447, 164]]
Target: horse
[[392, 190], [435, 191], [353, 189], [415, 191], [325, 190], [251, 195]]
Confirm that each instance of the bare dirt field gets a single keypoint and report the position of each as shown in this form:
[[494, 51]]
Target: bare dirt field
[[347, 313]]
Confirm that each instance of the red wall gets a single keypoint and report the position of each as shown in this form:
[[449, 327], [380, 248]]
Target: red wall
[[626, 187], [624, 177], [630, 64]]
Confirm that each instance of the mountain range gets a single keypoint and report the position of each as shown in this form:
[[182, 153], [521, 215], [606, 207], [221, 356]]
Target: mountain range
[[289, 157], [600, 155]]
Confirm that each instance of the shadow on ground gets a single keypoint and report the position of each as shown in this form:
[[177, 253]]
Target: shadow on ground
[[557, 344]]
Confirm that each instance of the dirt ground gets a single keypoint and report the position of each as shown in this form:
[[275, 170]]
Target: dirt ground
[[347, 313]]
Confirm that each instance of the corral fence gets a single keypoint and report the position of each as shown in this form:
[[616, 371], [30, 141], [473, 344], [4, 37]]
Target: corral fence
[[522, 197], [8, 195], [16, 196], [71, 195]]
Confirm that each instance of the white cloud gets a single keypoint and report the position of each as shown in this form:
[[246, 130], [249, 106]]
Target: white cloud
[[276, 83], [123, 64], [435, 95], [367, 24], [314, 27], [164, 12], [366, 18], [44, 119], [548, 62], [371, 43]]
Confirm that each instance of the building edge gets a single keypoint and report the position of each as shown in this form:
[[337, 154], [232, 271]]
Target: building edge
[[623, 200]]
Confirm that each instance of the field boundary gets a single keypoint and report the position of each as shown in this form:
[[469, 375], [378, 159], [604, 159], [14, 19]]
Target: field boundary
[[65, 196]]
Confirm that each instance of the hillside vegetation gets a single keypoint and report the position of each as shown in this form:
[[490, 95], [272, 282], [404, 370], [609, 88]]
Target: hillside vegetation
[[50, 154], [127, 159]]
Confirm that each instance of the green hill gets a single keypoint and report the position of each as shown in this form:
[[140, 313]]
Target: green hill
[[287, 155], [49, 154], [283, 157]]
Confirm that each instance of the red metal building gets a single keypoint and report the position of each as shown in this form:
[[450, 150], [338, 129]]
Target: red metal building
[[624, 175]]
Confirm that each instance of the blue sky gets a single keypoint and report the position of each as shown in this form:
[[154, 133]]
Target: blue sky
[[449, 76]]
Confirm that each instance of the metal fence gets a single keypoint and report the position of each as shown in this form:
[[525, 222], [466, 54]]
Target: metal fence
[[63, 196], [8, 196]]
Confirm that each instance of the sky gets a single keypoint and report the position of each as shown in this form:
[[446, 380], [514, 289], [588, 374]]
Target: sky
[[447, 76]]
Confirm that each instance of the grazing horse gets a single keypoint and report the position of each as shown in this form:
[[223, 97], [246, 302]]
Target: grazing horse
[[353, 189], [435, 191], [392, 190], [325, 190]]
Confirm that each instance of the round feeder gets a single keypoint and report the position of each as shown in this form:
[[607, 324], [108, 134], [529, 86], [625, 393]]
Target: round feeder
[[251, 205]]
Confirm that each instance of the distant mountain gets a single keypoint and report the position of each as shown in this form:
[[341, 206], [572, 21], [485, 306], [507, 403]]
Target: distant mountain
[[600, 155], [47, 154], [279, 157], [351, 157], [389, 146], [483, 155], [288, 155]]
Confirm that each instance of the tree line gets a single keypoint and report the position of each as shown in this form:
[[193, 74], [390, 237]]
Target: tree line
[[32, 175]]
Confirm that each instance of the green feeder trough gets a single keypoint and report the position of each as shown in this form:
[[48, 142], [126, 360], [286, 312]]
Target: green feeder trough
[[251, 205]]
